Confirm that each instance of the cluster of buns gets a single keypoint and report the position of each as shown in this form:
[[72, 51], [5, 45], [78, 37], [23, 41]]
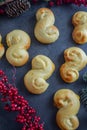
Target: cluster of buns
[[18, 43], [45, 31], [68, 104], [75, 60], [42, 69], [79, 21]]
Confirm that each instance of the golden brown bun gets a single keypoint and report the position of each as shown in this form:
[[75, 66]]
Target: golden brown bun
[[18, 42], [68, 104], [79, 18], [79, 33], [35, 79], [75, 60], [45, 31], [2, 49]]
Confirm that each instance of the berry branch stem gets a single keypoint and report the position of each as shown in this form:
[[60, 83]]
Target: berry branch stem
[[15, 102]]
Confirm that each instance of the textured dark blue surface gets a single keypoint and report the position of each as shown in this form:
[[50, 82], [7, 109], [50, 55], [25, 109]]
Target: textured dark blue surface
[[44, 102]]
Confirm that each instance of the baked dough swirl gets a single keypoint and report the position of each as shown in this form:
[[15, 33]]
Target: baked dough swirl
[[45, 31], [79, 18], [68, 104], [18, 43], [75, 60], [35, 79], [80, 34], [79, 21]]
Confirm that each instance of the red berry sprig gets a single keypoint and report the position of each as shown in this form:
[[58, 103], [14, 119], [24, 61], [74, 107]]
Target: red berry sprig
[[61, 2], [15, 102], [15, 8]]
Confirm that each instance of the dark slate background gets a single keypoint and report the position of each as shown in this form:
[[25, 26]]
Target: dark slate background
[[42, 103]]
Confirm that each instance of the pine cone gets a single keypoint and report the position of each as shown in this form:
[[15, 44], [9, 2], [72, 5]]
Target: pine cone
[[17, 7]]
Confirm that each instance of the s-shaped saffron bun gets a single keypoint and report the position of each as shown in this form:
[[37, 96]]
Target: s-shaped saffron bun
[[75, 60], [79, 20], [45, 31], [68, 105], [18, 43], [35, 79]]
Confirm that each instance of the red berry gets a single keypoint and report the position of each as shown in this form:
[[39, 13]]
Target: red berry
[[51, 3]]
